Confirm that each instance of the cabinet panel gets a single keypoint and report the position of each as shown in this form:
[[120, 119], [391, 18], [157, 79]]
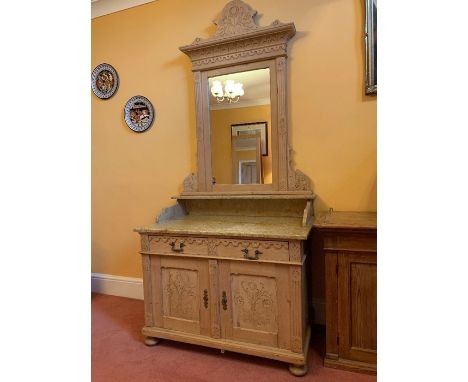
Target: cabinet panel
[[357, 308], [252, 296], [254, 303], [181, 294]]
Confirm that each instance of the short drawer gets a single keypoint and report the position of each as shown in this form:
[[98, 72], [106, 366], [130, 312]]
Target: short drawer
[[178, 245], [252, 249], [351, 241]]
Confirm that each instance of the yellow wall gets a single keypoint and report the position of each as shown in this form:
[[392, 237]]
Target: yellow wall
[[221, 121], [332, 123]]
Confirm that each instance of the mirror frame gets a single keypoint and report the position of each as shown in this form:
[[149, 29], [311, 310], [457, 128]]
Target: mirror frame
[[239, 44]]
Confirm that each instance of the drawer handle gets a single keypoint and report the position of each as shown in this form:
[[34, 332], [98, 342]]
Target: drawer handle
[[250, 257], [224, 301], [178, 250], [205, 298]]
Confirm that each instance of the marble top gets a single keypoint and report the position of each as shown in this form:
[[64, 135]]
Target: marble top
[[233, 226]]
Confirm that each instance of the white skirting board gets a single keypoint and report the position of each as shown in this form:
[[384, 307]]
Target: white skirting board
[[132, 287]]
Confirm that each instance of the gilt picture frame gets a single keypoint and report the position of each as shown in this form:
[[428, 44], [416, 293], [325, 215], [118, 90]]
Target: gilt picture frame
[[370, 31]]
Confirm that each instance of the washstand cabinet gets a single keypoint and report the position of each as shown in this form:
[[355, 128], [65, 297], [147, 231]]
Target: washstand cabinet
[[350, 249], [232, 282], [224, 266]]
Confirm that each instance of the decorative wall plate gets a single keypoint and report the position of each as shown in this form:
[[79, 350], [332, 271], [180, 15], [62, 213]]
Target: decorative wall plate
[[104, 81], [139, 113]]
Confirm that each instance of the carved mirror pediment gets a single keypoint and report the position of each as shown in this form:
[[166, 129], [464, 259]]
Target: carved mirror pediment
[[241, 107]]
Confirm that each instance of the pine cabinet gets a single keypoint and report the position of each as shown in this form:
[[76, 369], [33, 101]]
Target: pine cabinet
[[234, 294]]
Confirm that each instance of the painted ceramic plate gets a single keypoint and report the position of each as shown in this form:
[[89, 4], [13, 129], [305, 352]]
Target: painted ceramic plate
[[104, 81], [139, 113]]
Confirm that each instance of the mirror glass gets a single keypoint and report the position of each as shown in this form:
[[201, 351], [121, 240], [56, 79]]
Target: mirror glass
[[240, 118]]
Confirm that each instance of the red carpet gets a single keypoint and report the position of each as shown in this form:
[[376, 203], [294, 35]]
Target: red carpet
[[119, 354]]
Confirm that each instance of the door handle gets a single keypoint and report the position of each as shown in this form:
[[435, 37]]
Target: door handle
[[178, 250], [251, 257], [205, 299], [224, 300]]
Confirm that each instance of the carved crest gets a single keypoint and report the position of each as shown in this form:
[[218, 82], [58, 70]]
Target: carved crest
[[237, 17], [254, 43], [191, 183]]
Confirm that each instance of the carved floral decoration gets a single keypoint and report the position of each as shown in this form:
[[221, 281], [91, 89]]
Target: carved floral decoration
[[255, 304], [182, 294], [236, 17]]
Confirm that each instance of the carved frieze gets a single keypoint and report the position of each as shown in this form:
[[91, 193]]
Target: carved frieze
[[215, 243], [240, 51], [177, 240]]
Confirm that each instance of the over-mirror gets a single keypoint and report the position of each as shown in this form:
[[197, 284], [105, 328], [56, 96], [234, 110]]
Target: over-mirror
[[240, 122]]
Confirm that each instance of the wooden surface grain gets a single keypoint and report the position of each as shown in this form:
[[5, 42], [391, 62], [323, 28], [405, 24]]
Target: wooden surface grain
[[346, 220]]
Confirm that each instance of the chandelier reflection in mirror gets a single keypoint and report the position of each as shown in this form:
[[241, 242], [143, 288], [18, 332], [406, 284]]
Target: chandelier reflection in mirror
[[231, 93]]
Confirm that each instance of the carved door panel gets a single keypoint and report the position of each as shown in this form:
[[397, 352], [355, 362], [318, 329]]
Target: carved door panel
[[181, 294], [254, 305], [357, 306]]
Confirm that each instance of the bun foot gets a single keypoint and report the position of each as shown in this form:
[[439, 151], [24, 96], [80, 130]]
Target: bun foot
[[151, 341], [298, 370]]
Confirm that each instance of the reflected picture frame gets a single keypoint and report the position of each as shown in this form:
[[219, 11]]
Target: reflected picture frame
[[253, 127], [370, 30]]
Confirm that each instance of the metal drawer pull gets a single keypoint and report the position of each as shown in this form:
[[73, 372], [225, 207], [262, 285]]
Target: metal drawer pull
[[224, 301], [205, 299], [178, 250], [249, 257]]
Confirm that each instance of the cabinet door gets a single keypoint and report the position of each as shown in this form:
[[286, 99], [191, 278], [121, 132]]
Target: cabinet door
[[357, 306], [254, 303], [181, 294]]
